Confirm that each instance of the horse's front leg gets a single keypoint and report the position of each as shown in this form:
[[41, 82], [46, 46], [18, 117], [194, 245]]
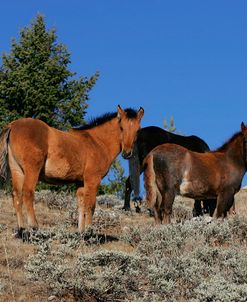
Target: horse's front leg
[[225, 200], [81, 212], [232, 209], [86, 197], [127, 194]]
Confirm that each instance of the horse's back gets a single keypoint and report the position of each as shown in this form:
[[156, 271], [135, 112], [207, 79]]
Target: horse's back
[[197, 144], [35, 134], [177, 155], [192, 142], [148, 138]]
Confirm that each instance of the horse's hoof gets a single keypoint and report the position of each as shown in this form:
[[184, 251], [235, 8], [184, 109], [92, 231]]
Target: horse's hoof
[[18, 233], [34, 230], [88, 232], [137, 199], [126, 208], [138, 209], [22, 233]]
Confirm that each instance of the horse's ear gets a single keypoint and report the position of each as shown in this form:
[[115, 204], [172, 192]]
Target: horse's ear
[[120, 112], [140, 113], [243, 127]]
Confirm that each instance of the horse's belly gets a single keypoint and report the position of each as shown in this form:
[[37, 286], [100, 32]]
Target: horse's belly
[[61, 169], [195, 189], [185, 187]]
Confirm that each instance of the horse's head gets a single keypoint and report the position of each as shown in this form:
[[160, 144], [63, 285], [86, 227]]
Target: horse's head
[[129, 123], [244, 132]]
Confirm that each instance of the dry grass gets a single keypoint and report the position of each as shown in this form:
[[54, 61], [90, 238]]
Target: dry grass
[[241, 201], [14, 282]]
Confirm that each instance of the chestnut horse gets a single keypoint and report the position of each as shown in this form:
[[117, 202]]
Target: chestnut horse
[[147, 139], [83, 156], [172, 170]]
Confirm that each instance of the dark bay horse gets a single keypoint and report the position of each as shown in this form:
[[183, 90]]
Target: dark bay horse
[[147, 139], [172, 170], [34, 151]]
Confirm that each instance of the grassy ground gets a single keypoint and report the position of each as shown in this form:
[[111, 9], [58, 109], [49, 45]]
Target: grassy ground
[[60, 265]]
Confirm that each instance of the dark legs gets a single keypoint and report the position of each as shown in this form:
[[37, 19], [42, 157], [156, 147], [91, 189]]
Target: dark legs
[[137, 200], [127, 194], [208, 207], [197, 210]]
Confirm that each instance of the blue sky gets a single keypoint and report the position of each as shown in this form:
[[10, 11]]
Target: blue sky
[[186, 59]]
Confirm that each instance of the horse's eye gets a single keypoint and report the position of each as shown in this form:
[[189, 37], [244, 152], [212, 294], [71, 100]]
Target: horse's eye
[[121, 128]]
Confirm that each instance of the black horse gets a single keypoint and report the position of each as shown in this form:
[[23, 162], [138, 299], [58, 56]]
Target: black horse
[[147, 139]]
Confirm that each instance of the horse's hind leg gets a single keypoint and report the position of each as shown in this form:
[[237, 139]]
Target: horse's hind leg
[[166, 207], [28, 189], [197, 210], [212, 206], [17, 183], [156, 209], [127, 194]]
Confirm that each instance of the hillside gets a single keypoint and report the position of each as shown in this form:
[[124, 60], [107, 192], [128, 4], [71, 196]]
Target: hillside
[[124, 257]]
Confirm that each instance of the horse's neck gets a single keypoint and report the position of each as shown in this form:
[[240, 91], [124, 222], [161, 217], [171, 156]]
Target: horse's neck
[[108, 134], [235, 152]]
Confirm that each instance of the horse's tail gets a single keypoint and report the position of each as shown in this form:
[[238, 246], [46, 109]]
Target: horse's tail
[[134, 172], [4, 167], [150, 181]]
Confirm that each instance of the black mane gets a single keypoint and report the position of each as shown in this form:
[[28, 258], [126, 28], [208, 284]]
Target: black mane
[[131, 113], [227, 143]]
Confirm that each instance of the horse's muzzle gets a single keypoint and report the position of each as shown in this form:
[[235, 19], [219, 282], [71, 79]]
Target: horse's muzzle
[[126, 155]]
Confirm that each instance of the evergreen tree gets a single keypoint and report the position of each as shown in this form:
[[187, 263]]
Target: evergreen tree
[[116, 181], [35, 80]]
